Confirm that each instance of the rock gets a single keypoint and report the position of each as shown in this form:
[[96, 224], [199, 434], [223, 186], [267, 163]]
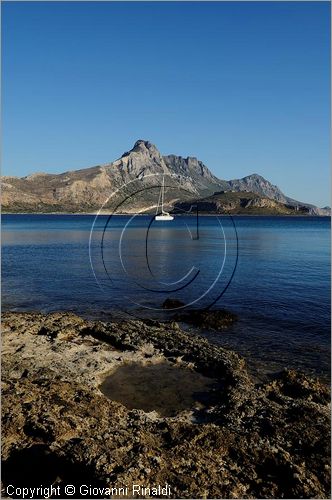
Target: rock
[[251, 441], [214, 319], [172, 304]]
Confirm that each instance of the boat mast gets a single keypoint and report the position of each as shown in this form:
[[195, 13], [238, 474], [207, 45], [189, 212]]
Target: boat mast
[[162, 195]]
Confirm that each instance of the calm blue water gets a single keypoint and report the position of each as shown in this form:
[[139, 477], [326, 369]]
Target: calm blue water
[[280, 289]]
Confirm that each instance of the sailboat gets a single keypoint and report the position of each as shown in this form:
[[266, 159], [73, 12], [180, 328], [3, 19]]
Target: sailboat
[[163, 216]]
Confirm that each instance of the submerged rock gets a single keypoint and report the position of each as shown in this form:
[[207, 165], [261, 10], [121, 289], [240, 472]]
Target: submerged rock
[[248, 441], [172, 303], [205, 318]]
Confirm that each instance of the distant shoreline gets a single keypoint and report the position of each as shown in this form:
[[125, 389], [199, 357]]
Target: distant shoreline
[[176, 215]]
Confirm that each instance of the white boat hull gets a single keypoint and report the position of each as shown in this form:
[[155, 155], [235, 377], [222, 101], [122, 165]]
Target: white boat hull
[[164, 217]]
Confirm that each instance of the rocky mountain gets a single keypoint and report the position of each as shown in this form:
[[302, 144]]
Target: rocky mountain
[[89, 189], [204, 181], [130, 184], [257, 184]]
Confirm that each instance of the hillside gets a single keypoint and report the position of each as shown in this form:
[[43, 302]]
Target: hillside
[[135, 178], [239, 203]]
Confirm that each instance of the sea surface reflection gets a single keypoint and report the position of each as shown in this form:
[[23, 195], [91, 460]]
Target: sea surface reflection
[[280, 290]]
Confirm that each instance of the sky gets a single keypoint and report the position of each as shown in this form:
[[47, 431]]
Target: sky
[[243, 86]]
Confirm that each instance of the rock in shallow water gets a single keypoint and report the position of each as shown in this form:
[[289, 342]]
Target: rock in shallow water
[[173, 304], [211, 319]]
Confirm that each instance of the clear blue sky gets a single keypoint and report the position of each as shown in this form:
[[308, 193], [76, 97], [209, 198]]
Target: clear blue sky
[[242, 86]]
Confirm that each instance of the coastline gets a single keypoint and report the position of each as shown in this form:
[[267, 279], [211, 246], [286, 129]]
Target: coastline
[[53, 368], [177, 215]]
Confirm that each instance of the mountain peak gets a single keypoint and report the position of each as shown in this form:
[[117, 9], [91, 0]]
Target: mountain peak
[[255, 183], [145, 146], [143, 143], [142, 146], [255, 176]]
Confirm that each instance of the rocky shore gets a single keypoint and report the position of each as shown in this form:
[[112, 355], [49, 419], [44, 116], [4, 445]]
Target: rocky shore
[[245, 440]]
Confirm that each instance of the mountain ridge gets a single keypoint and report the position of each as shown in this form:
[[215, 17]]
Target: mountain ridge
[[87, 189]]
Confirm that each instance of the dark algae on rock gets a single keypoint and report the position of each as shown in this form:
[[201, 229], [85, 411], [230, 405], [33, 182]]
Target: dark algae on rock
[[268, 440]]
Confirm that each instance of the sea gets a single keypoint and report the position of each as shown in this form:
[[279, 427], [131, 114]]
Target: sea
[[272, 272]]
